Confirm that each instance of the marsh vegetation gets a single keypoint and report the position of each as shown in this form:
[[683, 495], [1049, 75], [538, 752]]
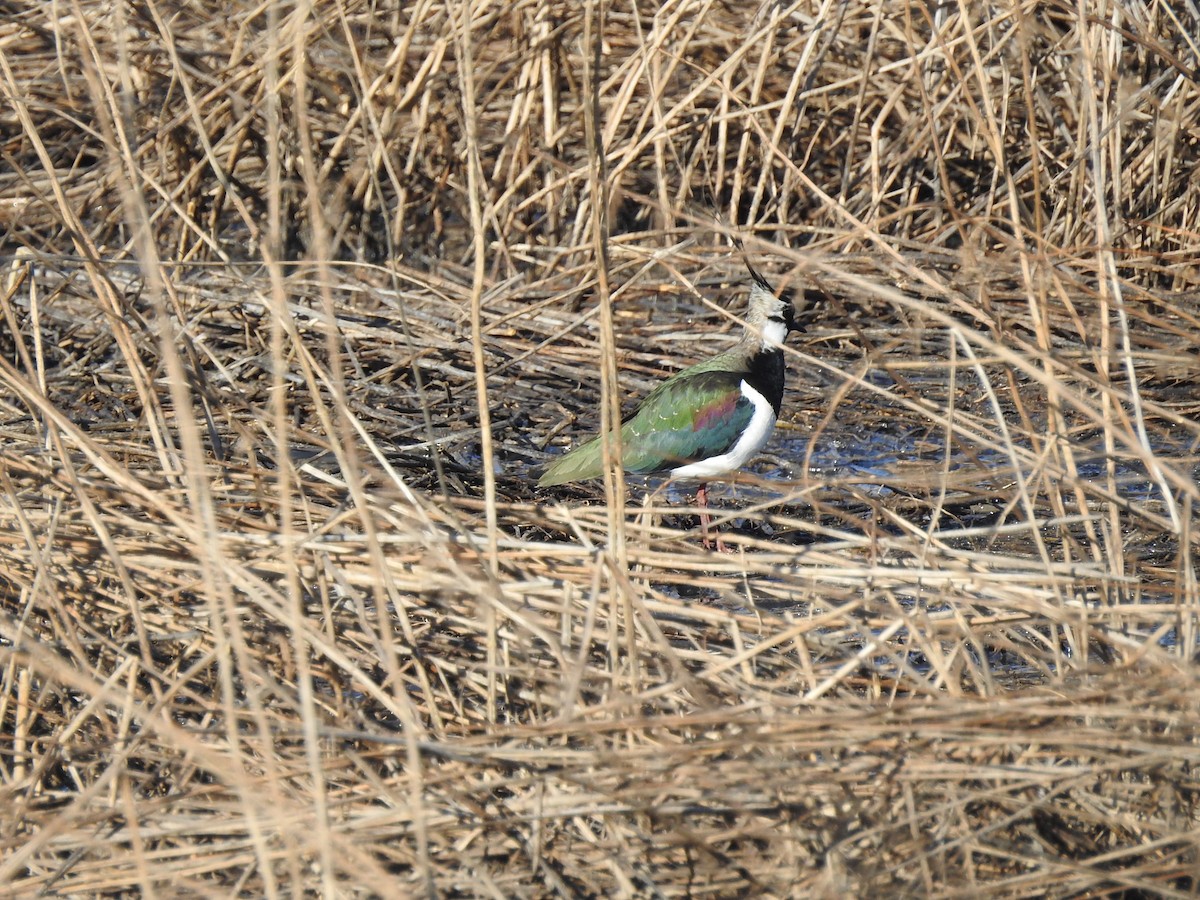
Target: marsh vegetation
[[297, 300]]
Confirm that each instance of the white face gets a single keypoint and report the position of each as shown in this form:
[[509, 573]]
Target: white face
[[774, 334]]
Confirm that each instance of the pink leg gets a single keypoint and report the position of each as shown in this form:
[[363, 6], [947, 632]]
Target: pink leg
[[706, 520]]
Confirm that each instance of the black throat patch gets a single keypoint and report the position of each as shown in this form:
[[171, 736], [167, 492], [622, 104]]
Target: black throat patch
[[765, 375]]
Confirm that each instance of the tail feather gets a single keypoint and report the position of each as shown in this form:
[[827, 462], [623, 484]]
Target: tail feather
[[584, 462]]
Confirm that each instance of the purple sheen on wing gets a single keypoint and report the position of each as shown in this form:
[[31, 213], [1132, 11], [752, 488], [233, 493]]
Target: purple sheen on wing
[[715, 413]]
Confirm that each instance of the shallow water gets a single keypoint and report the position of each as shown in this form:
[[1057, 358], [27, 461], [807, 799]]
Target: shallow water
[[881, 461]]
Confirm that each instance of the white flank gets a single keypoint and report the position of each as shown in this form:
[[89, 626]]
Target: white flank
[[758, 429]]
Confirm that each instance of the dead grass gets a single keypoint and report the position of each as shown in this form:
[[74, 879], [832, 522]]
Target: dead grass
[[268, 629]]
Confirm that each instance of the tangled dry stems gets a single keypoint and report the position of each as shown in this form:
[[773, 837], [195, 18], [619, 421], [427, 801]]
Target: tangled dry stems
[[268, 628]]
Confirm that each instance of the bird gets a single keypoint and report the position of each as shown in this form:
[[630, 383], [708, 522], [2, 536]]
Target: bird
[[707, 420]]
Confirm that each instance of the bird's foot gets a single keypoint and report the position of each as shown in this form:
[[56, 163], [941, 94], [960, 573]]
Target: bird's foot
[[706, 525], [718, 544]]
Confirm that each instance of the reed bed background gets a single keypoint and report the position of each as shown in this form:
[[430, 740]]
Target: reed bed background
[[298, 297]]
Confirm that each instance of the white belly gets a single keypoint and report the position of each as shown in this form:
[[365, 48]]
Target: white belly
[[759, 429]]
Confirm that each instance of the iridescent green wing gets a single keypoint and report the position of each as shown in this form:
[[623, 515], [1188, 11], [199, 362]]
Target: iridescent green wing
[[696, 415]]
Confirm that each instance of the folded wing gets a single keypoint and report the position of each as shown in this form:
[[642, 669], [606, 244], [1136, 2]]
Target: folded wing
[[694, 416]]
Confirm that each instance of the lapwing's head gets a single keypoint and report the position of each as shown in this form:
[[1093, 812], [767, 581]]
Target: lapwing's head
[[769, 314]]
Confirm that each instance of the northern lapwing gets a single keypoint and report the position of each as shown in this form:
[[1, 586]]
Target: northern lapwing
[[708, 420]]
